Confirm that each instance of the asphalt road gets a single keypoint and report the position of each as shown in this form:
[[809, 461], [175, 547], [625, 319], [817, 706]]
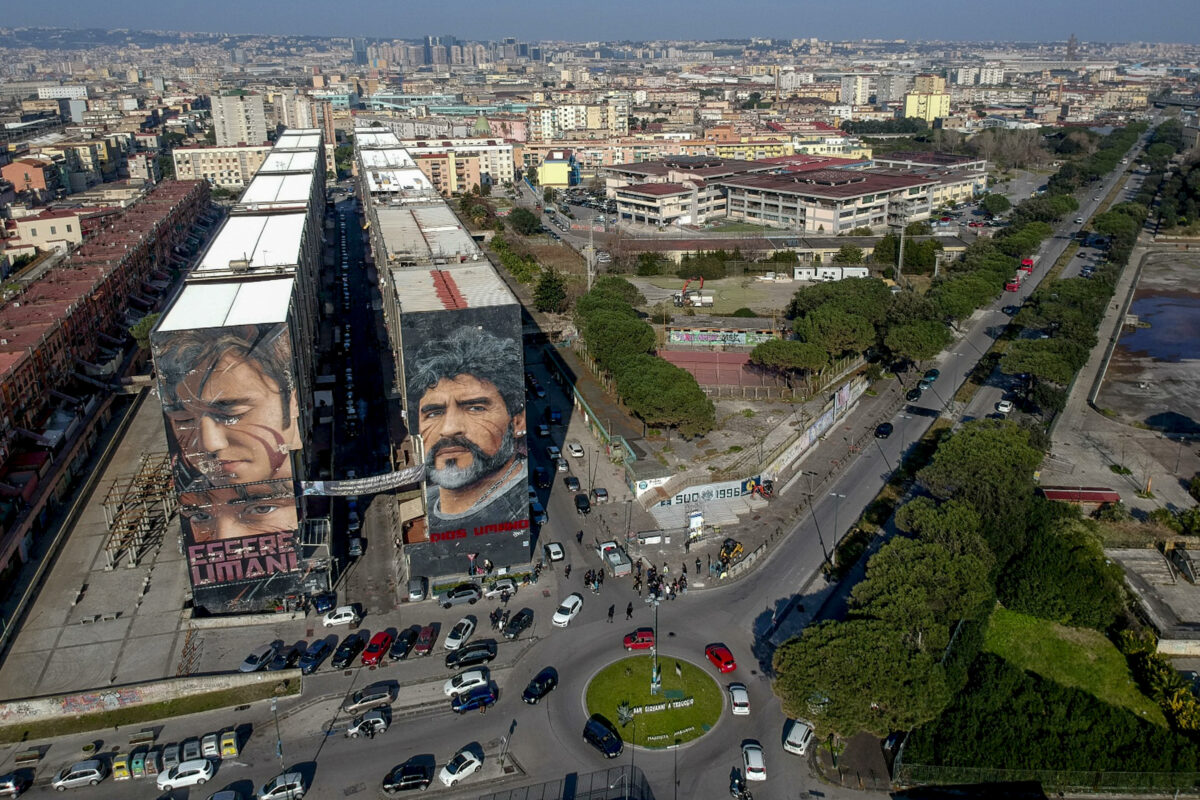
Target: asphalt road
[[545, 739]]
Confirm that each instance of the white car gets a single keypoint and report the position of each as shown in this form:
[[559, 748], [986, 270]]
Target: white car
[[575, 449], [459, 634], [752, 761], [464, 764], [1004, 406], [739, 699], [797, 736], [554, 551], [342, 615], [189, 773], [567, 610], [500, 587], [464, 682]]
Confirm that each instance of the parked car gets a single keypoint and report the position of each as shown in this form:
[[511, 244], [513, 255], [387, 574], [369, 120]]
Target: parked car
[[316, 653], [720, 657], [13, 784], [602, 735], [259, 657], [82, 773], [287, 786], [466, 681], [472, 655], [553, 453], [500, 587], [930, 376], [540, 685], [350, 647], [541, 478], [640, 639], [567, 610], [459, 634], [412, 774], [599, 495], [554, 551], [403, 644], [572, 483], [884, 430], [561, 464], [583, 506], [1004, 406], [537, 513], [324, 602], [463, 593], [575, 449], [517, 625], [465, 763], [797, 736], [286, 658], [372, 696], [914, 394], [481, 697], [425, 639], [375, 721], [342, 615], [418, 589], [379, 644], [753, 764], [739, 699], [189, 773]]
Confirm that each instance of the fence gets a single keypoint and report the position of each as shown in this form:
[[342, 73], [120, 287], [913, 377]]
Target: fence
[[1050, 780], [618, 783]]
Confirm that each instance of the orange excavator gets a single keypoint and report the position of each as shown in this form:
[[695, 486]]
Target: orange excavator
[[683, 297]]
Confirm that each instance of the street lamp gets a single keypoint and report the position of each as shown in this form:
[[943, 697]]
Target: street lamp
[[624, 781], [655, 675], [837, 506], [278, 737]]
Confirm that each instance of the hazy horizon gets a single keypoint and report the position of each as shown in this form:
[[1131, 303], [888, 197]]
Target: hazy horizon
[[1033, 21]]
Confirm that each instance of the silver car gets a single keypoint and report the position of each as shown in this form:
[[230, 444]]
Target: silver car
[[84, 773]]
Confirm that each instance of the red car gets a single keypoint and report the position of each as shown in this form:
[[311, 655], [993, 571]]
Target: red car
[[379, 645], [720, 657], [425, 640], [641, 639]]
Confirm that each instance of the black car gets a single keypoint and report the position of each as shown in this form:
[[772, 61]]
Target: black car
[[412, 774], [582, 504], [914, 394], [602, 735], [317, 652], [286, 657], [542, 684], [350, 647], [403, 644], [884, 430], [541, 478], [1011, 310], [473, 655], [517, 625]]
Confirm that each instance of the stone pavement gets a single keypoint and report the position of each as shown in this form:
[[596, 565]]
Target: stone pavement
[[1085, 442]]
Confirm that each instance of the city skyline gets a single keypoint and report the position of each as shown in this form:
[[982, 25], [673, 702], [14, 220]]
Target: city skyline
[[1023, 20]]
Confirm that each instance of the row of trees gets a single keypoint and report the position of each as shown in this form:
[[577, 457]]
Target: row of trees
[[658, 392]]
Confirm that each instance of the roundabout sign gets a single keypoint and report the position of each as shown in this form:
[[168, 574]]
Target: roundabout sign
[[686, 704]]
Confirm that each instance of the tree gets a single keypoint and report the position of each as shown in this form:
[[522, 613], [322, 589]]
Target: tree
[[786, 356], [485, 189], [649, 264], [166, 165], [995, 204], [617, 286], [550, 293], [547, 195], [922, 589], [141, 330], [953, 525], [917, 341], [858, 675], [835, 331], [848, 254], [524, 222], [531, 175]]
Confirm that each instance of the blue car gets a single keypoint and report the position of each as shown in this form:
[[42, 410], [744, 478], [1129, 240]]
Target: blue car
[[480, 697], [316, 653], [324, 602]]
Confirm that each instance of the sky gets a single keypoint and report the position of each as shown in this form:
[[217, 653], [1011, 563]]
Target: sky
[[640, 20]]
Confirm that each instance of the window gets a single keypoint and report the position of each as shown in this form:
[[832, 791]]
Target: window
[[53, 230], [33, 231], [68, 229]]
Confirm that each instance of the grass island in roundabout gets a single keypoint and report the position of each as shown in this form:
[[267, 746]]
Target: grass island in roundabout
[[686, 707]]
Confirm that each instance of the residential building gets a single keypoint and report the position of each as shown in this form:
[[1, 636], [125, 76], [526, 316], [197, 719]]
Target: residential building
[[225, 167], [450, 172], [37, 179], [54, 229], [494, 156], [558, 169], [680, 190], [856, 90], [62, 93], [239, 119], [927, 106]]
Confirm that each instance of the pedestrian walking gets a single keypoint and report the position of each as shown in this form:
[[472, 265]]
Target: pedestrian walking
[[666, 569], [685, 568], [567, 571], [697, 565], [579, 537], [611, 610], [629, 611]]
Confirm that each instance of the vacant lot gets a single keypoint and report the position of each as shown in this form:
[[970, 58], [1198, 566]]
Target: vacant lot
[[1078, 657]]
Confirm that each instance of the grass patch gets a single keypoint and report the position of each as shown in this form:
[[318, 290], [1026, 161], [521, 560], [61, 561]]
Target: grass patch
[[628, 680], [1077, 657], [740, 227], [150, 712]]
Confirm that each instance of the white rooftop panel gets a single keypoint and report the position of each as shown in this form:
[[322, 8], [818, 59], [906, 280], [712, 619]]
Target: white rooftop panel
[[265, 241], [472, 286], [387, 157], [306, 141], [374, 137], [398, 181], [278, 188], [288, 161], [217, 305]]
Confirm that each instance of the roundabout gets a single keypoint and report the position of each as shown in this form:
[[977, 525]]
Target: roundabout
[[687, 706]]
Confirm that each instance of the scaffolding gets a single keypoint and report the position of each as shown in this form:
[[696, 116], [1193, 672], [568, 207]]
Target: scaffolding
[[137, 508]]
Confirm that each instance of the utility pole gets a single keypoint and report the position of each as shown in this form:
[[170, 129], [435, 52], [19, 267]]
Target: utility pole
[[903, 225], [591, 259]]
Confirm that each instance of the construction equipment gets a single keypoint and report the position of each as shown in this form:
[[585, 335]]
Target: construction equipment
[[693, 298], [731, 551]]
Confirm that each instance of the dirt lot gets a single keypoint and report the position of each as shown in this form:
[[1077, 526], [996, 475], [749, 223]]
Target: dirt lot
[[763, 297]]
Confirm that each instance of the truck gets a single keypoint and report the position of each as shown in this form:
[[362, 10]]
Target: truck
[[693, 298], [1026, 266], [614, 558], [1014, 283]]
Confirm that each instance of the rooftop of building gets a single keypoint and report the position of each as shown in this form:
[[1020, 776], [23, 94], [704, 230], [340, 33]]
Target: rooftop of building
[[266, 242], [424, 233], [298, 139], [289, 161], [450, 288], [700, 166], [276, 189], [385, 158], [834, 184], [930, 159], [225, 303], [658, 189]]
